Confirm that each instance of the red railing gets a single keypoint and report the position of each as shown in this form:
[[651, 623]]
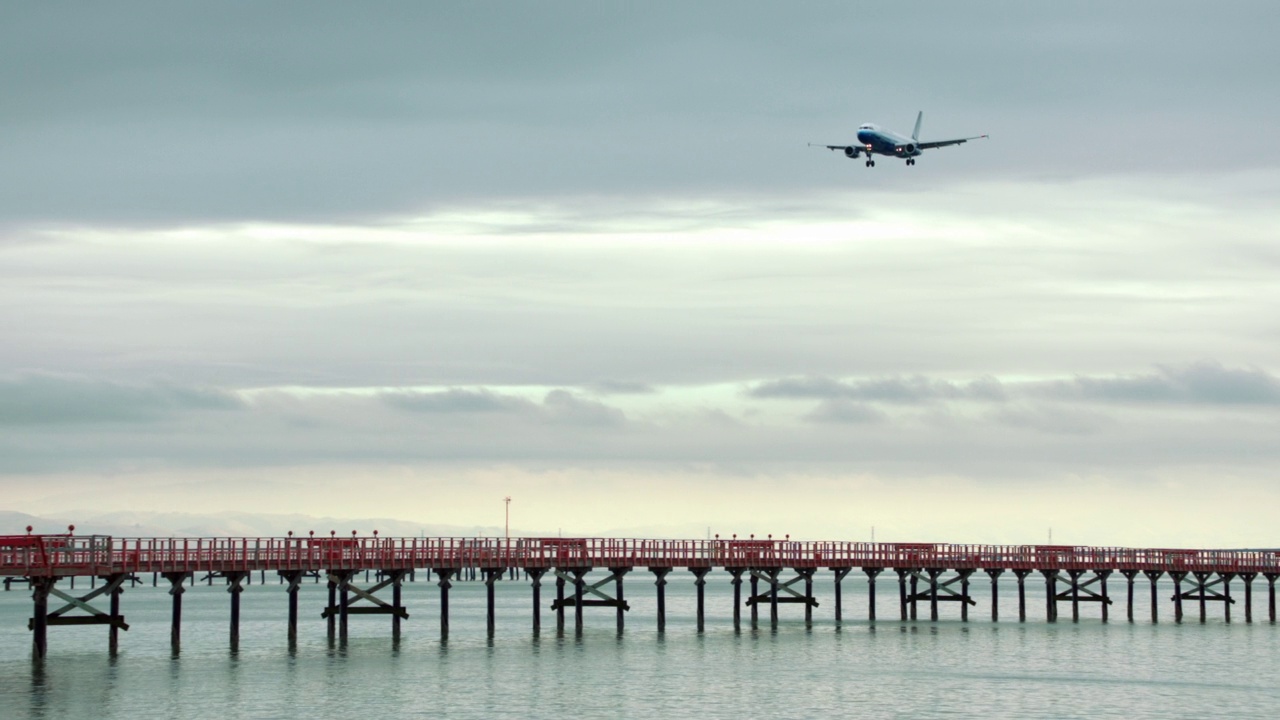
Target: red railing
[[26, 555]]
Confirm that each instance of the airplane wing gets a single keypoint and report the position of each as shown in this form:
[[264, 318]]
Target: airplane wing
[[944, 143]]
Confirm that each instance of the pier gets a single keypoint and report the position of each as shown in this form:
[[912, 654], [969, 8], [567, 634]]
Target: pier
[[362, 571]]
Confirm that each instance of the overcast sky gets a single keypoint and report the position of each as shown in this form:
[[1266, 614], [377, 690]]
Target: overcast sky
[[403, 260]]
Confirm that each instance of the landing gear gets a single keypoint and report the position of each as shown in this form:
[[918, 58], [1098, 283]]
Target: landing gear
[[871, 163], [911, 161]]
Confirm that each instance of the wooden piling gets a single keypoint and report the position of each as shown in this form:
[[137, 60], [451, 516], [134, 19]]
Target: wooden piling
[[871, 592]]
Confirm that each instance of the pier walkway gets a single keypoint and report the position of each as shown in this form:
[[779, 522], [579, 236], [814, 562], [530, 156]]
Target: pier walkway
[[778, 571]]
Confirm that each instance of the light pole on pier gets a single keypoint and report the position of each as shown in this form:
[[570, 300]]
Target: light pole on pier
[[506, 528]]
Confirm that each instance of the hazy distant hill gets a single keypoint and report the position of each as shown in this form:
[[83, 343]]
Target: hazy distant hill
[[154, 524], [246, 524]]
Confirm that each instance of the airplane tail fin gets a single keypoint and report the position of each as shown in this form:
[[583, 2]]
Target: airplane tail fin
[[916, 134]]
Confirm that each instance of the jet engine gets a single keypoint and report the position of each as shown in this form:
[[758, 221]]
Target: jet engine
[[909, 149], [852, 152]]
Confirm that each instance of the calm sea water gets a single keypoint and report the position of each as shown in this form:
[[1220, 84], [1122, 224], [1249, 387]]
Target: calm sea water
[[918, 669]]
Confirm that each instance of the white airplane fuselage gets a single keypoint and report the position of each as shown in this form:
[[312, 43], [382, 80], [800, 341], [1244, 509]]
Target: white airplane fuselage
[[878, 141]]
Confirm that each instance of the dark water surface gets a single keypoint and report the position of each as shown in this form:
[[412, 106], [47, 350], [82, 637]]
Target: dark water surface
[[918, 669]]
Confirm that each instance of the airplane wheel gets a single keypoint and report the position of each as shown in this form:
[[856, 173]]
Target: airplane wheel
[[869, 163]]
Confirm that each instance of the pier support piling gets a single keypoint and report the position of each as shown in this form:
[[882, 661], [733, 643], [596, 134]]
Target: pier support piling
[[1050, 595], [1201, 578], [235, 588], [294, 578], [700, 582], [535, 580], [176, 589], [807, 574], [1271, 596], [871, 572], [1153, 576], [621, 608], [1075, 594], [578, 582], [1248, 577], [1226, 595], [755, 592], [491, 576], [560, 605], [736, 572], [995, 574], [933, 574], [331, 621], [1021, 575], [1129, 575], [445, 575], [1102, 576], [914, 594], [1176, 576], [902, 592], [40, 587]]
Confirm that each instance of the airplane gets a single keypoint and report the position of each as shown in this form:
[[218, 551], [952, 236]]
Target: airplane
[[878, 141]]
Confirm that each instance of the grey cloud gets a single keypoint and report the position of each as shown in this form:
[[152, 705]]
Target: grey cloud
[[1053, 419], [456, 400], [53, 400], [845, 412], [558, 406], [564, 406], [909, 390], [1204, 383], [1005, 441], [622, 387]]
